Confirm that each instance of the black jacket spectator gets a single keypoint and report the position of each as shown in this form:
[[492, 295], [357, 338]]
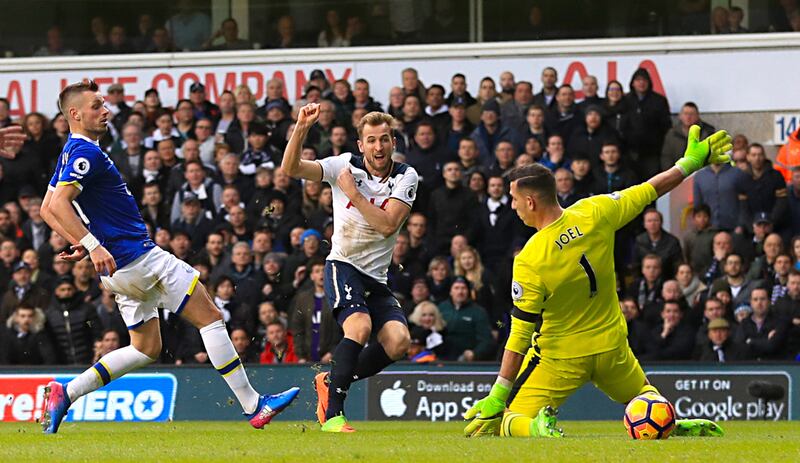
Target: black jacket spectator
[[26, 346], [731, 351], [74, 326], [303, 318], [649, 122], [766, 341], [677, 345], [493, 230], [451, 210]]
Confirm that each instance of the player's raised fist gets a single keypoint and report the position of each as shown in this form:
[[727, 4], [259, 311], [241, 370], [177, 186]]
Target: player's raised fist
[[308, 115]]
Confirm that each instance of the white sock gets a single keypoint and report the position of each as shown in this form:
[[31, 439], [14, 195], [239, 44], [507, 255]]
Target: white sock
[[223, 356], [110, 367]]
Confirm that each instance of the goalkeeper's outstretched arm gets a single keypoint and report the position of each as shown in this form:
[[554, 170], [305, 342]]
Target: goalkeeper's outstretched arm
[[698, 155]]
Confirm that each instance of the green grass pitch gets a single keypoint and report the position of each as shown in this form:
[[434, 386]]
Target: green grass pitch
[[406, 442]]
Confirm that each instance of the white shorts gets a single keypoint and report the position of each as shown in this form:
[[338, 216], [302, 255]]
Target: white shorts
[[157, 279]]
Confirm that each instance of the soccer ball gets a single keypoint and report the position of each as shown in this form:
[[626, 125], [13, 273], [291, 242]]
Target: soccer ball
[[649, 416]]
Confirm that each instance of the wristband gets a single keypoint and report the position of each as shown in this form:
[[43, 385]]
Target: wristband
[[89, 242], [501, 389]]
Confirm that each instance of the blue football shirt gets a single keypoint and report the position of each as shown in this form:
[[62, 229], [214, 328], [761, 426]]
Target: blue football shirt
[[105, 204]]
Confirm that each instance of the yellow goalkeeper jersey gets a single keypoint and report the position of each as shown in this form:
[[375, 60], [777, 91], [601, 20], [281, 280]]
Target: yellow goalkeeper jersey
[[564, 286]]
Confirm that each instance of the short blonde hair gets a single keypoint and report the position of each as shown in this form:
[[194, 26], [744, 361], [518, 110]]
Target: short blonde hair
[[438, 322], [375, 118]]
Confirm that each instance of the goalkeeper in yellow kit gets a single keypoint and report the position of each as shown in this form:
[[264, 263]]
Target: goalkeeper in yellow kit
[[566, 327]]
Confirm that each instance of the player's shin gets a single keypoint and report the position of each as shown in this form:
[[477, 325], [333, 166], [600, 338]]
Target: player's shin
[[343, 369], [110, 367], [225, 359]]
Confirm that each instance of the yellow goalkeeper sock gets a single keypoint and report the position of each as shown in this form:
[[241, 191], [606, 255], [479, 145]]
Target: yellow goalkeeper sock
[[648, 388], [515, 425]]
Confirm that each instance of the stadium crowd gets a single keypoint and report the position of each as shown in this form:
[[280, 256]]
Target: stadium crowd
[[211, 190], [183, 26]]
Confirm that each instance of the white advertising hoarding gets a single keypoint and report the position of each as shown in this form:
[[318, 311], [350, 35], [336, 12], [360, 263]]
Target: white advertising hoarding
[[718, 81]]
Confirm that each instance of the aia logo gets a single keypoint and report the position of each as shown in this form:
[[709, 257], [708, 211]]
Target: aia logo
[[371, 201]]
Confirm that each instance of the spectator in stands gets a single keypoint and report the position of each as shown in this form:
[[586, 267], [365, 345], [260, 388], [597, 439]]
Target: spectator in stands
[[675, 139], [154, 210], [284, 35], [762, 267], [722, 246], [765, 189], [613, 175], [458, 89], [564, 117], [504, 155], [189, 28], [192, 219], [5, 113], [41, 146], [692, 288], [546, 98], [763, 332], [647, 288], [362, 98], [719, 20], [450, 208], [719, 187], [588, 138], [589, 89], [468, 332], [236, 135], [638, 335], [656, 240], [143, 40], [615, 108], [582, 175], [788, 309], [487, 92], [34, 230], [649, 121], [161, 41], [244, 348], [109, 315], [86, 281], [508, 85], [38, 276], [430, 326], [713, 309], [436, 110], [734, 276], [411, 83], [201, 106], [128, 155], [9, 253], [99, 42], [535, 127], [793, 200], [780, 277], [315, 331], [23, 339], [719, 346], [118, 41], [55, 44], [672, 339], [72, 323], [698, 241], [514, 112], [439, 278], [565, 188], [229, 32], [280, 346], [555, 157], [109, 341]]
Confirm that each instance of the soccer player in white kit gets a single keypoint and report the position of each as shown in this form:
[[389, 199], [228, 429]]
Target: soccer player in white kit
[[372, 197], [109, 229]]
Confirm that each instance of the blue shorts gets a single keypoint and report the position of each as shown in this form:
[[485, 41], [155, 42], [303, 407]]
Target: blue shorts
[[349, 291]]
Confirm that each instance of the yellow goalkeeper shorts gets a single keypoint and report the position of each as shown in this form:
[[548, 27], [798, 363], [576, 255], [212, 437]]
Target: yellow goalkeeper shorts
[[544, 381]]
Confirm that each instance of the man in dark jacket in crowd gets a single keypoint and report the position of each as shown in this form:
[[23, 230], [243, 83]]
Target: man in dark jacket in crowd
[[763, 332], [788, 308], [495, 224], [72, 324], [469, 337], [649, 122], [672, 339], [24, 341], [450, 208], [720, 347]]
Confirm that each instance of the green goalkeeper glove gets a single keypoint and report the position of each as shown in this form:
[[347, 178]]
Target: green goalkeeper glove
[[702, 153], [487, 413]]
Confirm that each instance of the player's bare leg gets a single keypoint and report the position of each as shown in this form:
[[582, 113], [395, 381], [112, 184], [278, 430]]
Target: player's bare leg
[[201, 312], [145, 348]]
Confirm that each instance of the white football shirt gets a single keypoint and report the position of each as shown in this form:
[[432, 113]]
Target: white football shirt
[[354, 239]]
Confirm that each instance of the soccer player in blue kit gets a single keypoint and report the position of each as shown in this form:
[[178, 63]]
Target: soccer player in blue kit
[[89, 204]]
